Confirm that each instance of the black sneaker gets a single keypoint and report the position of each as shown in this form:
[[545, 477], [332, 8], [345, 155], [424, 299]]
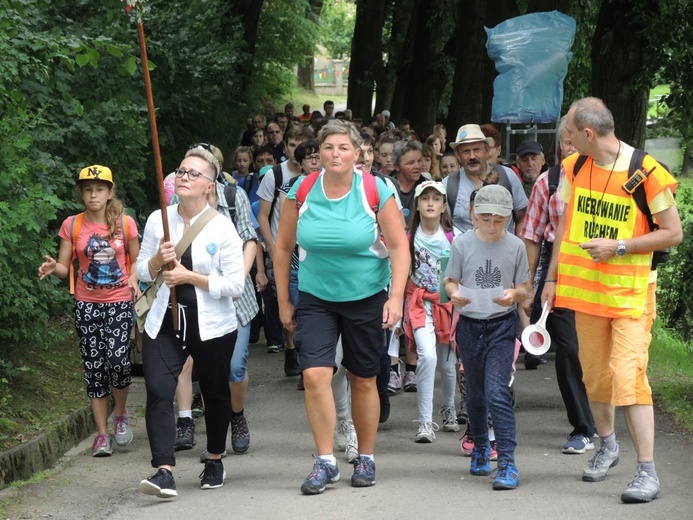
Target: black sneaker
[[364, 472], [384, 407], [532, 361], [160, 485], [291, 362], [198, 409], [240, 435], [185, 434], [213, 475]]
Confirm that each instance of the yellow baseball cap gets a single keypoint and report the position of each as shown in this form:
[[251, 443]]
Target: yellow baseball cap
[[96, 172]]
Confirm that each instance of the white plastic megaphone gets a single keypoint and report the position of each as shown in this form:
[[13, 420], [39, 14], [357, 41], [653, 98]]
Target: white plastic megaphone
[[535, 338]]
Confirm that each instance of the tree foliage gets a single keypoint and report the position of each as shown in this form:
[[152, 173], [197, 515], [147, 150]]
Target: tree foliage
[[337, 27]]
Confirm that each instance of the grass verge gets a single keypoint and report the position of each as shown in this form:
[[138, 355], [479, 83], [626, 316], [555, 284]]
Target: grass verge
[[39, 384], [671, 377]]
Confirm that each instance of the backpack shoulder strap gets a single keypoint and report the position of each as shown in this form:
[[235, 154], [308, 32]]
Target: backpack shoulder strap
[[75, 227], [230, 195], [581, 160], [370, 184], [278, 178], [306, 185], [639, 193], [450, 235], [554, 178], [503, 177], [453, 185]]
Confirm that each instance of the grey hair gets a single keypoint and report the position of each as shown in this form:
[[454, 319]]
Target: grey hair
[[336, 126], [562, 126], [206, 155], [592, 112], [403, 147]]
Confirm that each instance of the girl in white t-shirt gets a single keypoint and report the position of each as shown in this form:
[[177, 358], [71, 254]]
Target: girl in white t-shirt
[[426, 321], [106, 245]]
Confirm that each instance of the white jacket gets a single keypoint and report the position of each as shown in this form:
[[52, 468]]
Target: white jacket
[[217, 252]]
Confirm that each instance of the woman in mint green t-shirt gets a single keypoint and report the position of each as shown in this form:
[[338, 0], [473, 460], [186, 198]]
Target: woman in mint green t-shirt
[[344, 271]]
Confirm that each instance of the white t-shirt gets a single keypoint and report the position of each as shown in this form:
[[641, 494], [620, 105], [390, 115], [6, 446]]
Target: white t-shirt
[[266, 192]]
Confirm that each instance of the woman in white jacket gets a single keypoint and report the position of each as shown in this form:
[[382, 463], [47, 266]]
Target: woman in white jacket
[[207, 277]]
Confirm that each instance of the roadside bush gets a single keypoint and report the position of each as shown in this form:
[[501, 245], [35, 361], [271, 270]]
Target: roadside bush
[[675, 282]]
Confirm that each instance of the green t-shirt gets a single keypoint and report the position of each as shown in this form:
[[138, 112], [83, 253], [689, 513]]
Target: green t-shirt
[[341, 255]]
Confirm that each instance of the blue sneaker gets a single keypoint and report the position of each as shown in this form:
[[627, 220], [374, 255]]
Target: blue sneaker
[[364, 472], [323, 473], [481, 463], [507, 477]]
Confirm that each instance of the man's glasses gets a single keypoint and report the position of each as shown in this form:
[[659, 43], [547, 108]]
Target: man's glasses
[[312, 158], [192, 174]]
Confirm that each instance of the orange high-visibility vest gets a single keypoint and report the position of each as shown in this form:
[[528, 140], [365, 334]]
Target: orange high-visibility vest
[[616, 288]]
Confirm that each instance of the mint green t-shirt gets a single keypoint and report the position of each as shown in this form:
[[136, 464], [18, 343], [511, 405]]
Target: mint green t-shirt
[[341, 255]]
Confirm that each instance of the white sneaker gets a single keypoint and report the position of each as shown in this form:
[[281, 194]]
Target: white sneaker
[[449, 419], [426, 432], [352, 447], [342, 432]]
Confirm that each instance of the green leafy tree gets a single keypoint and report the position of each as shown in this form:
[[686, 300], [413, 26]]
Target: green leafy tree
[[337, 27]]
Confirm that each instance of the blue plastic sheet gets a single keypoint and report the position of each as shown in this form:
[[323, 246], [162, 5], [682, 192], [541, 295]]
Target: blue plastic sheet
[[531, 53]]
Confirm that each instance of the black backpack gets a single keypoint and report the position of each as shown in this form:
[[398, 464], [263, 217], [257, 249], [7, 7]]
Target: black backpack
[[230, 194], [658, 257]]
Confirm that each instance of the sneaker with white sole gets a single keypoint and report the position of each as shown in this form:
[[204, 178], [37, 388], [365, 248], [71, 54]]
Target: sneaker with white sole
[[426, 432], [161, 485], [122, 431], [467, 442], [342, 430], [323, 473], [449, 419], [213, 476], [598, 465], [409, 381], [352, 448], [577, 444], [644, 488], [395, 383], [102, 446]]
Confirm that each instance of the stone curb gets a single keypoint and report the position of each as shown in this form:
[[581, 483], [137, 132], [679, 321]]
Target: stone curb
[[21, 462]]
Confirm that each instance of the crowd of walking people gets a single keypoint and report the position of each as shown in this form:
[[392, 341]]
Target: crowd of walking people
[[372, 257]]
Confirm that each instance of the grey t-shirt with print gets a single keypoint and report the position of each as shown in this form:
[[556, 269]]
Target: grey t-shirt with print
[[485, 265]]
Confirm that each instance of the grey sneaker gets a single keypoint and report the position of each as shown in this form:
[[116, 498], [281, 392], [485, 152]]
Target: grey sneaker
[[598, 465], [643, 488], [426, 432], [409, 381], [342, 431], [102, 446], [122, 431], [449, 419]]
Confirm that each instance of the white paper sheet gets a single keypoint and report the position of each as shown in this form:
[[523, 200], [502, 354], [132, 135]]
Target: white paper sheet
[[481, 300], [393, 347]]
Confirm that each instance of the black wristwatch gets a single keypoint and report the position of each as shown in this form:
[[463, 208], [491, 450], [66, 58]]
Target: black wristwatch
[[621, 248]]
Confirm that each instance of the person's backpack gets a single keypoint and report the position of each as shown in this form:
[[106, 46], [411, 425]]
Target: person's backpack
[[369, 185], [76, 226], [230, 195], [658, 257], [453, 185]]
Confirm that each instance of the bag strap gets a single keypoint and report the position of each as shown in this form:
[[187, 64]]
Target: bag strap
[[554, 178], [306, 185], [185, 242], [230, 195], [452, 187], [75, 227], [278, 178], [370, 184], [639, 194]]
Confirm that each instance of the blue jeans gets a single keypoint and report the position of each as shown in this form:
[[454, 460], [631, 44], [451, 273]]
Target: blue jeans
[[487, 349], [293, 287], [239, 360]]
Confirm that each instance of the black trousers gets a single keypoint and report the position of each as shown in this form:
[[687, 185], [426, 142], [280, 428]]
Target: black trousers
[[561, 327], [163, 358]]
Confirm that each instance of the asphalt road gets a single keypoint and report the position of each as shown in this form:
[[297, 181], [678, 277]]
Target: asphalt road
[[414, 481]]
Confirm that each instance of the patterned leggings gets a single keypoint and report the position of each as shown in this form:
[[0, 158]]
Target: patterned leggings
[[104, 344]]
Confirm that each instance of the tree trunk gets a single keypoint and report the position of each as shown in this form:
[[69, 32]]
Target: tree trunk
[[618, 57], [248, 12], [465, 105], [424, 87], [540, 6], [305, 74], [401, 66], [366, 56]]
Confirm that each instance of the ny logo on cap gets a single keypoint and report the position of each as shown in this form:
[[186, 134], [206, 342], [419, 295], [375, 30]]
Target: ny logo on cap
[[94, 172]]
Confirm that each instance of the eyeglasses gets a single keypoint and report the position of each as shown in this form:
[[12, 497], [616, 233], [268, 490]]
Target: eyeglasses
[[312, 158], [192, 174]]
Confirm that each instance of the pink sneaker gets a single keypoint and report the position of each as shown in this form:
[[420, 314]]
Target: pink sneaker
[[102, 446], [467, 442], [494, 451]]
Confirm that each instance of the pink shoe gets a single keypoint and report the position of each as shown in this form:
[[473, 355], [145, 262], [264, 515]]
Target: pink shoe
[[467, 442]]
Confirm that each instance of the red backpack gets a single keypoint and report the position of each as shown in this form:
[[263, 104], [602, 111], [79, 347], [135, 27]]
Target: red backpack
[[369, 184]]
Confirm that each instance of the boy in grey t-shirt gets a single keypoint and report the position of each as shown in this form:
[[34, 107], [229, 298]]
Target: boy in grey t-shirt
[[484, 259]]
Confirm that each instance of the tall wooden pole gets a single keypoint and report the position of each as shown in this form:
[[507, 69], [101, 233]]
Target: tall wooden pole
[[157, 154]]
